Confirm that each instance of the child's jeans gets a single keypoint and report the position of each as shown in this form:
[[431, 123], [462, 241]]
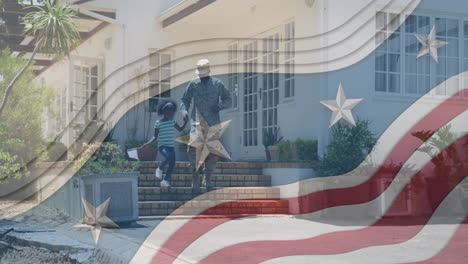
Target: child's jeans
[[169, 158]]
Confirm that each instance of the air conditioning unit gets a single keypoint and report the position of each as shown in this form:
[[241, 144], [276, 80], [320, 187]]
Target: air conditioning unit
[[121, 188]]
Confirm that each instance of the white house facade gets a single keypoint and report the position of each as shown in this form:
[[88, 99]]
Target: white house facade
[[278, 59]]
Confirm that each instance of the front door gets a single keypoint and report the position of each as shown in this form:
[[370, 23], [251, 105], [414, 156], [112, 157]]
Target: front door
[[270, 83], [252, 147], [260, 93]]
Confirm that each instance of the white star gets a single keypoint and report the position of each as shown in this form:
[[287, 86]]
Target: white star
[[96, 217], [430, 45], [206, 139], [341, 107]]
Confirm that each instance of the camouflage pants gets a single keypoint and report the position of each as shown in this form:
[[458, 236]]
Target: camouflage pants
[[210, 166]]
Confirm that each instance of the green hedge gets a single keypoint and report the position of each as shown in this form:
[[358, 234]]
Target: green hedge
[[349, 147], [307, 150], [299, 150]]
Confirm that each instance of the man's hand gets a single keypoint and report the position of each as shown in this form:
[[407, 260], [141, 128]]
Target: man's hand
[[185, 115], [186, 118], [144, 146]]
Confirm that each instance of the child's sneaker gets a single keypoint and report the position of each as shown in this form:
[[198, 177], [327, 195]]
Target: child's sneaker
[[165, 184], [158, 173]]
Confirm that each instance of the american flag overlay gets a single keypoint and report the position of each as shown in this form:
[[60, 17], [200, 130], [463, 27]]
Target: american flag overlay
[[250, 131]]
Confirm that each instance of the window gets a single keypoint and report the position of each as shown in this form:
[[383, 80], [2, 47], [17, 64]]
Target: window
[[60, 118], [447, 30], [233, 76], [160, 76], [270, 87], [387, 62], [85, 84], [465, 52], [397, 68], [250, 102], [466, 44], [417, 78], [57, 114], [289, 50]]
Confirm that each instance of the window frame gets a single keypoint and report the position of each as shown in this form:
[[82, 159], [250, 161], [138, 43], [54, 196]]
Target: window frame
[[462, 55], [289, 59], [169, 66], [233, 73], [87, 63]]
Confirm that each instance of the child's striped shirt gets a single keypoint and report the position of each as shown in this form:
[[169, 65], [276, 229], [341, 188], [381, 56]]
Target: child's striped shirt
[[166, 132]]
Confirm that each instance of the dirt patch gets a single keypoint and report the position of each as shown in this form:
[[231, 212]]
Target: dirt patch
[[30, 255], [43, 215]]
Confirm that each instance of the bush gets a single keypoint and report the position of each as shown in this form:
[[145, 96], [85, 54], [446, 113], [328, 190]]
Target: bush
[[349, 147], [302, 150], [129, 144], [10, 168], [306, 150], [107, 158], [272, 138], [286, 150], [57, 151], [21, 123]]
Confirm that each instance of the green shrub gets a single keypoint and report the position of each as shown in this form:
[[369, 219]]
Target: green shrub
[[271, 138], [285, 150], [10, 168], [103, 159], [349, 147], [129, 144], [57, 151], [306, 150], [21, 123]]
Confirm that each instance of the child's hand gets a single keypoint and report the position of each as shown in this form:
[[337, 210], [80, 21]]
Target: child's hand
[[144, 146]]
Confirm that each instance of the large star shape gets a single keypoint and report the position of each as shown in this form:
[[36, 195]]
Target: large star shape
[[430, 45], [341, 107], [96, 217], [206, 140]]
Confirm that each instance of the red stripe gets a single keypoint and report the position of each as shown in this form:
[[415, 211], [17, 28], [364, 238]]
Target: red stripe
[[310, 203], [384, 232]]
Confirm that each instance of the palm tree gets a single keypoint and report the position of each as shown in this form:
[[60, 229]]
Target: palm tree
[[2, 22], [55, 30]]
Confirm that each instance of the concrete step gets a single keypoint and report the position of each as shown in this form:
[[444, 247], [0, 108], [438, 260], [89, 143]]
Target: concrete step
[[221, 168], [215, 207], [218, 180], [187, 193]]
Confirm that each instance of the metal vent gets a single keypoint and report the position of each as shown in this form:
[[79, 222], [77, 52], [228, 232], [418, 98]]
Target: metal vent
[[121, 198]]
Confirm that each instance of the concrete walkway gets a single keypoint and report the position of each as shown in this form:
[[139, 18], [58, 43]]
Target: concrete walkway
[[120, 245], [48, 228]]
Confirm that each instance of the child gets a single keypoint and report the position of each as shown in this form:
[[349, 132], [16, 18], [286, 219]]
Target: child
[[164, 129]]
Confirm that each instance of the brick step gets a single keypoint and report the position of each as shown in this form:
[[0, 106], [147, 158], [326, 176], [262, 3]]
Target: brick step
[[223, 165], [187, 193], [218, 170], [264, 206], [218, 180]]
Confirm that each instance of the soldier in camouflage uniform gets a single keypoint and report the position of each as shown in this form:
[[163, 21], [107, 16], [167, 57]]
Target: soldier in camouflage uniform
[[209, 96]]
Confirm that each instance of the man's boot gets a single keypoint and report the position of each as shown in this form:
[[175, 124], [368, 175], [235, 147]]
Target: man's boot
[[207, 182], [210, 166], [195, 181]]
